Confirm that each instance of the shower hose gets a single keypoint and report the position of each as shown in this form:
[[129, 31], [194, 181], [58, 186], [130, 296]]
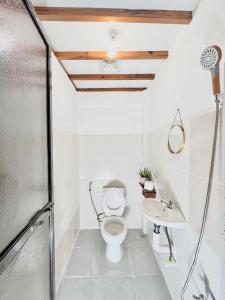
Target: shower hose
[[206, 208], [99, 216]]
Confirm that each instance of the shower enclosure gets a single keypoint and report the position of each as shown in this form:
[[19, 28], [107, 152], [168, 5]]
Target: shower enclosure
[[26, 207]]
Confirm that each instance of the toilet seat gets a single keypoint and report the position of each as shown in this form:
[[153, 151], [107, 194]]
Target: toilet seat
[[114, 228]]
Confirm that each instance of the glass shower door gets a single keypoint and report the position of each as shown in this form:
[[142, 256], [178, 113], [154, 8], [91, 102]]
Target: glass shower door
[[26, 215], [27, 275]]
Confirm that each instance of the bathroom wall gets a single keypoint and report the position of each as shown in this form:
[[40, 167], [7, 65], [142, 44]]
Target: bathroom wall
[[65, 165], [110, 148], [183, 178]]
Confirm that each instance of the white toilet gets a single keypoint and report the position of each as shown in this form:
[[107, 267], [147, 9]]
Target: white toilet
[[113, 227]]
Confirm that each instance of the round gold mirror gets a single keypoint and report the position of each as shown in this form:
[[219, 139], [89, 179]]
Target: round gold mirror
[[176, 139]]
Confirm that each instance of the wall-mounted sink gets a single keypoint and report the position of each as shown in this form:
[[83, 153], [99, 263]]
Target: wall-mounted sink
[[157, 212]]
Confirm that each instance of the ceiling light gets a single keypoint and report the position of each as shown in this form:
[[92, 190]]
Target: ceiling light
[[109, 66], [112, 50]]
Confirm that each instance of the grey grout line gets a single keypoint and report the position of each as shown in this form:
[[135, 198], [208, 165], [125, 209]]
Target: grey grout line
[[100, 276], [80, 276], [132, 273], [112, 276], [89, 247], [94, 288]]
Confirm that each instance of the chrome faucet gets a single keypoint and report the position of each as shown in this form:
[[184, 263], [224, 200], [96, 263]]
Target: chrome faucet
[[168, 204]]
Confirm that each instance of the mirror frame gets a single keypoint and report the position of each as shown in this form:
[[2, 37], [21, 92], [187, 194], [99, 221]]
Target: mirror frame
[[183, 140]]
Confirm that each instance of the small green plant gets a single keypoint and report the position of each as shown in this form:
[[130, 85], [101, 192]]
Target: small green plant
[[145, 173]]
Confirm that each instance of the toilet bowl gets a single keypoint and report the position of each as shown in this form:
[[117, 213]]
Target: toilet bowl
[[114, 232], [113, 227]]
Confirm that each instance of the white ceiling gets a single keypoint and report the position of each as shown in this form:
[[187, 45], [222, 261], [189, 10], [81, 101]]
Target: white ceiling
[[82, 36], [111, 83], [89, 36]]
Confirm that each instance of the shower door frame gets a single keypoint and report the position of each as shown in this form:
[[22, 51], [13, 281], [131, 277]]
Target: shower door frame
[[223, 172], [9, 252]]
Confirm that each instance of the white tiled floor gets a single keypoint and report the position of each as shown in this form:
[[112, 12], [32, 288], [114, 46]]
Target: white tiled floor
[[90, 276]]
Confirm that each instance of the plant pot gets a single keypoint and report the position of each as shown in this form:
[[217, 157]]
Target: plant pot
[[149, 186], [149, 194]]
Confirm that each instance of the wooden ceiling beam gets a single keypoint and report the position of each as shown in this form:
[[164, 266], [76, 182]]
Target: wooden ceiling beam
[[112, 76], [101, 55], [124, 89], [83, 14]]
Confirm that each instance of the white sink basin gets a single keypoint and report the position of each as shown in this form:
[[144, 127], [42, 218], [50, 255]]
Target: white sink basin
[[156, 212]]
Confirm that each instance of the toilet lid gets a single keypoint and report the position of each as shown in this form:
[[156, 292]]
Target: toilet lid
[[113, 202]]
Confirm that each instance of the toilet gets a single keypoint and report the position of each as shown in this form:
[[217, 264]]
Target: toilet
[[113, 227]]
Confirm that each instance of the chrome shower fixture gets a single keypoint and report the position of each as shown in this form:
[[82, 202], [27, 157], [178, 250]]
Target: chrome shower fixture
[[210, 59], [200, 297]]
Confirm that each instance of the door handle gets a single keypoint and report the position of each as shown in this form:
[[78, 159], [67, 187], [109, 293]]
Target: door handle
[[12, 250]]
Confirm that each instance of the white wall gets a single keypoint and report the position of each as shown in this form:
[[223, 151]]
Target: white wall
[[183, 178], [110, 148], [65, 165]]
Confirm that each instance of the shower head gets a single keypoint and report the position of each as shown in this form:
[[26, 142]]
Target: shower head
[[210, 59]]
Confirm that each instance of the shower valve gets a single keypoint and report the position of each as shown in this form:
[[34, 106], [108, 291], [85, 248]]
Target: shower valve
[[200, 297], [221, 99]]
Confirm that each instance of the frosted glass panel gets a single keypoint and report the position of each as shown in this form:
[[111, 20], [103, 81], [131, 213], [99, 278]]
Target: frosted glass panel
[[23, 140], [27, 277]]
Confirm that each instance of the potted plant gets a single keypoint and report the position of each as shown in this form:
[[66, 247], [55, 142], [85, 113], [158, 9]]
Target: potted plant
[[145, 175], [147, 184]]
